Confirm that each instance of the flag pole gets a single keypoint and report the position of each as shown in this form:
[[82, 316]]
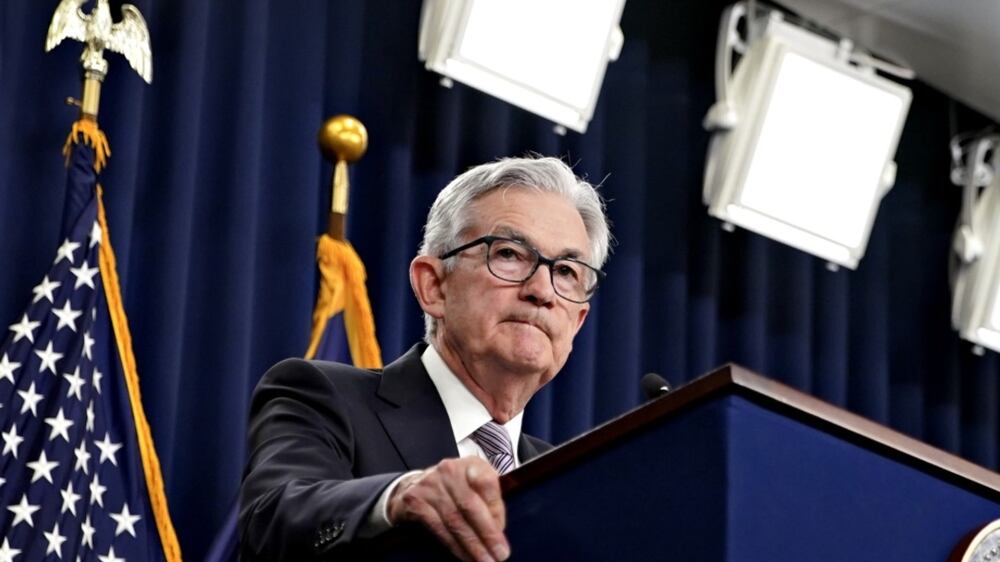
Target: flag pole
[[343, 140]]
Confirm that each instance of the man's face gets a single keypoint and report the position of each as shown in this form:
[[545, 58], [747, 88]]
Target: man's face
[[523, 329]]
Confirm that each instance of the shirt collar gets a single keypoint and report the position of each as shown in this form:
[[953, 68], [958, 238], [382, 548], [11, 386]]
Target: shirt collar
[[465, 412]]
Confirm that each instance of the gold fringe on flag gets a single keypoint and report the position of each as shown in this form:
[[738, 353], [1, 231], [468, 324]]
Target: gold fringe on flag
[[342, 288], [123, 337], [86, 131]]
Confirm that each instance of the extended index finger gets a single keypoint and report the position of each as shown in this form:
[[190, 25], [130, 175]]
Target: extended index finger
[[486, 483], [469, 492]]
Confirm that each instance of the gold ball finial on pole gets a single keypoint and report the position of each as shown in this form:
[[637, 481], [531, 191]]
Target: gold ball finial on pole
[[342, 140], [343, 137]]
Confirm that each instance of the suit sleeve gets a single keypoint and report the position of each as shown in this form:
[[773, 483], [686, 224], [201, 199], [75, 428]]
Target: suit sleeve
[[299, 499]]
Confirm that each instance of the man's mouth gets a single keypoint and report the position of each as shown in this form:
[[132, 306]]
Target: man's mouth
[[533, 324]]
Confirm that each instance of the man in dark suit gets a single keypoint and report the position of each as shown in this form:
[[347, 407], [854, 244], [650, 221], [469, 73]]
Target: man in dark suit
[[510, 259]]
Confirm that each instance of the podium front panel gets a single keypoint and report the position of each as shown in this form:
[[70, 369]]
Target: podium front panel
[[797, 493]]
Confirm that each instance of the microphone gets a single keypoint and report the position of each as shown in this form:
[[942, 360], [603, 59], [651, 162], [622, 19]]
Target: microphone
[[654, 386]]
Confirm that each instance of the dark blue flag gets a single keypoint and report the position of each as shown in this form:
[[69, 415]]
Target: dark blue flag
[[79, 479]]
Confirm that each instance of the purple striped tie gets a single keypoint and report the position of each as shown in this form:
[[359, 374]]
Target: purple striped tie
[[495, 442]]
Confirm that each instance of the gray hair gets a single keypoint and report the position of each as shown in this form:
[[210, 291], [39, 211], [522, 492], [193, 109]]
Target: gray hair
[[449, 215]]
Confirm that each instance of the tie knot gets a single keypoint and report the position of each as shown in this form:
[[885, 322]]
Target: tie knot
[[495, 442]]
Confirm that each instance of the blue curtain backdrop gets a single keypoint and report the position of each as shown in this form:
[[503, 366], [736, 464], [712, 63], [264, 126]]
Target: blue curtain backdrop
[[216, 192]]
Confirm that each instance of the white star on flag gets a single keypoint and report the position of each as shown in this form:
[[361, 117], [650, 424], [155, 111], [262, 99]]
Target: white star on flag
[[96, 379], [108, 449], [60, 426], [7, 553], [42, 468], [45, 289], [84, 276], [95, 234], [8, 368], [49, 358], [24, 329], [75, 383], [11, 440], [88, 344], [97, 491], [65, 252], [110, 557], [126, 521], [55, 541], [67, 316], [82, 458], [88, 533], [31, 399], [69, 498], [90, 416], [23, 512]]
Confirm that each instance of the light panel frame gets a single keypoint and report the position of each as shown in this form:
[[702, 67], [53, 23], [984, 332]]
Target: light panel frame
[[976, 291], [444, 25], [731, 157]]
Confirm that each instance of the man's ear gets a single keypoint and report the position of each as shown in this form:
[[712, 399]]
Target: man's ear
[[426, 278], [581, 316]]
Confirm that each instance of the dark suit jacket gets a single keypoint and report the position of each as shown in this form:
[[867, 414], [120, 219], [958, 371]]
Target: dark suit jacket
[[324, 440]]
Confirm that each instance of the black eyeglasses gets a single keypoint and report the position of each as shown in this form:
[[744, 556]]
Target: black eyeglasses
[[516, 262]]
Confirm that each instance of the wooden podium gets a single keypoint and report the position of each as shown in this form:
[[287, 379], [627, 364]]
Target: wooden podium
[[734, 466]]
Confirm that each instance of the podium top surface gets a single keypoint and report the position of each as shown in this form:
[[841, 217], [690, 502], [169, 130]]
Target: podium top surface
[[733, 379]]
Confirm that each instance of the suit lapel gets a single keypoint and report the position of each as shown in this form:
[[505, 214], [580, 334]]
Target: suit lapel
[[412, 412], [526, 449]]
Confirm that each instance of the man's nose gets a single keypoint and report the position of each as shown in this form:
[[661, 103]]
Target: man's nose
[[538, 288]]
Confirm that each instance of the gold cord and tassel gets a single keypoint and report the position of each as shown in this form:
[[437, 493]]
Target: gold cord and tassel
[[342, 289], [93, 137]]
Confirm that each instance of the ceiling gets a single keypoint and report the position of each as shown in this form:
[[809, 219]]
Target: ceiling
[[953, 45]]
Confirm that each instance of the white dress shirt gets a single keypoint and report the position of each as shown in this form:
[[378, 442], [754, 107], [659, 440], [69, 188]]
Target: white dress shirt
[[466, 414], [465, 411]]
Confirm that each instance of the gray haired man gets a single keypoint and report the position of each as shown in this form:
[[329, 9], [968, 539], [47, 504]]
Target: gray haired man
[[510, 259]]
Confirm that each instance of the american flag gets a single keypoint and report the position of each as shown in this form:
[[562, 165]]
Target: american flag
[[73, 481]]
